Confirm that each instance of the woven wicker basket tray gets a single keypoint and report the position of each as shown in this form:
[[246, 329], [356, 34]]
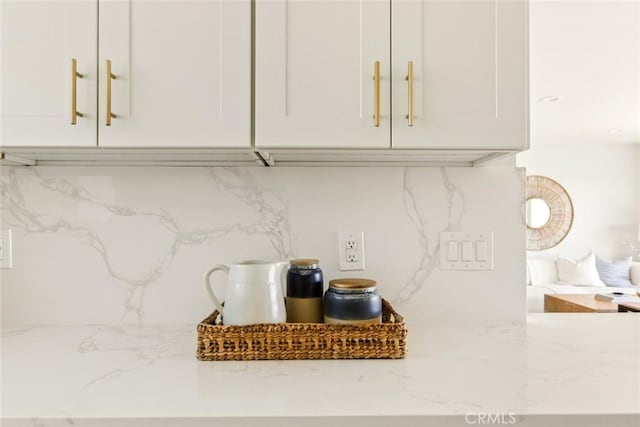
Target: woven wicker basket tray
[[387, 340]]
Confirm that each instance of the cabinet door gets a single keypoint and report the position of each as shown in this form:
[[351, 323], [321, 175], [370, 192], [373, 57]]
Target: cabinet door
[[470, 74], [39, 40], [181, 73], [314, 71]]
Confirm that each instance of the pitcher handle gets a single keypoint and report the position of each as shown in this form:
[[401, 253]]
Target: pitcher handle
[[207, 284]]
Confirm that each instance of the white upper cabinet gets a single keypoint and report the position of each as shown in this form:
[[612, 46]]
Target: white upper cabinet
[[470, 79], [181, 73], [329, 75], [39, 42], [315, 70]]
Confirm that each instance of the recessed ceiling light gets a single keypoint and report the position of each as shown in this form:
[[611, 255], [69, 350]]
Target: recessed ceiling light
[[615, 130], [552, 98]]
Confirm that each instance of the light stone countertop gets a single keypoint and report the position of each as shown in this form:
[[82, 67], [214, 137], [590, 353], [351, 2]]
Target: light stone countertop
[[560, 364]]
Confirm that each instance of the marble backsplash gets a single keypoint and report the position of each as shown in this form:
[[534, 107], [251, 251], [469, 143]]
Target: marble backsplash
[[98, 245]]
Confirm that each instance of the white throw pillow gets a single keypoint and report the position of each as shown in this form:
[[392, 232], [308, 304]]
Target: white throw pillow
[[582, 272], [542, 271]]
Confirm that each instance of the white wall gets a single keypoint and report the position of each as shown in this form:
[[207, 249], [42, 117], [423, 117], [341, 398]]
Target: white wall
[[604, 184], [113, 245]]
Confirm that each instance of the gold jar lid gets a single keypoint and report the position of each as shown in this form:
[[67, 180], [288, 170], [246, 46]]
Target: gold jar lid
[[304, 262], [352, 283]]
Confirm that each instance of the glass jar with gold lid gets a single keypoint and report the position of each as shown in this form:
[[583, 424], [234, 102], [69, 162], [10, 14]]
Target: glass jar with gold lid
[[304, 291], [352, 302]]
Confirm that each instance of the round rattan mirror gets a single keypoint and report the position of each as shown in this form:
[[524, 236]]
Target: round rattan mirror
[[549, 213]]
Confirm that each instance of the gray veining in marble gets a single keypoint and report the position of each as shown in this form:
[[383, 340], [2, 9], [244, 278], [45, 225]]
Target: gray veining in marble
[[273, 222], [272, 206], [143, 237], [135, 342], [551, 367], [522, 177], [428, 234]]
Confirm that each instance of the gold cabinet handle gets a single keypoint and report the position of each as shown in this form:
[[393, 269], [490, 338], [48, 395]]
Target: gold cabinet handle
[[376, 94], [75, 75], [410, 88], [110, 76]]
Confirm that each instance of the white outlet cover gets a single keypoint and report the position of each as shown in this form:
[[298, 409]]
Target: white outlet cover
[[357, 237], [6, 250]]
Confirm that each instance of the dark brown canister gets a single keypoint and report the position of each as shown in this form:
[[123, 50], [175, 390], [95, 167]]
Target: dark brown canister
[[352, 302], [304, 291]]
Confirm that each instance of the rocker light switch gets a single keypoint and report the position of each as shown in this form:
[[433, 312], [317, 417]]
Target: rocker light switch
[[452, 251], [467, 250], [481, 250]]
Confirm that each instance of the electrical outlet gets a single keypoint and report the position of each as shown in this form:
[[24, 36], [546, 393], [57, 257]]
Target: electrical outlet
[[351, 251], [6, 255]]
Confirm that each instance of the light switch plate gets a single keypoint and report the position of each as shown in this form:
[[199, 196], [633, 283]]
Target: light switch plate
[[6, 250], [466, 250]]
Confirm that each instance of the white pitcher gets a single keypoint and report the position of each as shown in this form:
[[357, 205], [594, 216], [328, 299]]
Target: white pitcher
[[254, 292]]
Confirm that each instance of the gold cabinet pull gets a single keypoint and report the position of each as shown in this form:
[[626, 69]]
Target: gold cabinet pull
[[410, 88], [75, 75], [376, 94], [110, 76]]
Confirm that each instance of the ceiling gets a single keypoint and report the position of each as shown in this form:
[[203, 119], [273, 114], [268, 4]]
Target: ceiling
[[585, 71]]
